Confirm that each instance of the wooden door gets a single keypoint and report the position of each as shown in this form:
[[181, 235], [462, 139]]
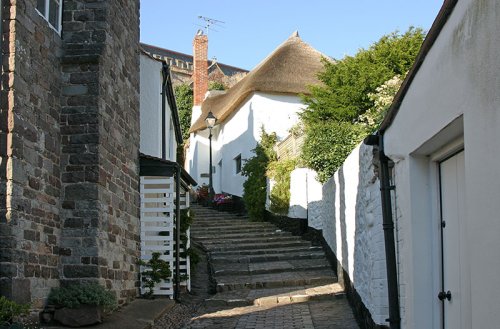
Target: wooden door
[[452, 186]]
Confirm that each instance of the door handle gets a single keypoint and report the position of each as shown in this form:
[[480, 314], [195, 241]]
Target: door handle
[[444, 295]]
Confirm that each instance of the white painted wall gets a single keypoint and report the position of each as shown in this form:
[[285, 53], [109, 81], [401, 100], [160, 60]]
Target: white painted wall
[[348, 211], [239, 135], [454, 100], [150, 98]]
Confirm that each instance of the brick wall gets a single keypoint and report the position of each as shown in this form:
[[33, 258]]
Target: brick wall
[[30, 155]]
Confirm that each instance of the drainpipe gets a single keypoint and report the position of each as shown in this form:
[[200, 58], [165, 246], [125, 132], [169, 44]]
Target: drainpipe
[[388, 226], [163, 110]]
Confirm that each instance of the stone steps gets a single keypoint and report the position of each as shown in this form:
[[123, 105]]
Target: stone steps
[[269, 297], [264, 252], [231, 230], [251, 246], [252, 240], [228, 226], [275, 280], [244, 259], [292, 265], [255, 263], [221, 236]]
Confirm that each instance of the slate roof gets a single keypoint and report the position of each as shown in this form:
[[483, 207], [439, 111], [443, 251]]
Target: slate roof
[[228, 70]]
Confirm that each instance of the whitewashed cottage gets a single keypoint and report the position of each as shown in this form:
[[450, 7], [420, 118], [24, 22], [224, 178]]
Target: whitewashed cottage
[[268, 97], [164, 183], [415, 225], [442, 134]]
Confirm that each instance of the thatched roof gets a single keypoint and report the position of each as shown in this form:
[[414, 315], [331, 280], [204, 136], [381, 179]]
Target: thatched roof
[[289, 69]]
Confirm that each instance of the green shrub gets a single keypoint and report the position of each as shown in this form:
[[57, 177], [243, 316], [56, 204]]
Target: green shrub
[[280, 172], [10, 310], [254, 188], [72, 296], [327, 145], [156, 270], [355, 93]]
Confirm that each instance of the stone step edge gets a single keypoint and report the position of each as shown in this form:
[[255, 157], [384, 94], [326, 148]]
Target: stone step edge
[[317, 267], [243, 235], [252, 246], [274, 251], [251, 259], [273, 300], [222, 287], [252, 240]]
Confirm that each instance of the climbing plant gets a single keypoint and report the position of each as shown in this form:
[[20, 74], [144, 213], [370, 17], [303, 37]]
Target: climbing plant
[[279, 172], [184, 100], [255, 168]]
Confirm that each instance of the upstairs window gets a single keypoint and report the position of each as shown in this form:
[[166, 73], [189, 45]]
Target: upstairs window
[[237, 162], [51, 10]]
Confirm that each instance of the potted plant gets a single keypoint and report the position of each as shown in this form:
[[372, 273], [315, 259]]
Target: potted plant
[[10, 311], [155, 271], [78, 305]]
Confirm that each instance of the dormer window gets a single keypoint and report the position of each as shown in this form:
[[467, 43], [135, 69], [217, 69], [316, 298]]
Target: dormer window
[[51, 10]]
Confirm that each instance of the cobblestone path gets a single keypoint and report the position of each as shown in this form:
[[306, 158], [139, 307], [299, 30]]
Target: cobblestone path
[[263, 278]]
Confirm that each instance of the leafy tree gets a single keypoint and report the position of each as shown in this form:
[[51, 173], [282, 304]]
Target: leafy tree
[[254, 188], [184, 99], [382, 100], [327, 145], [348, 82], [216, 85], [336, 118]]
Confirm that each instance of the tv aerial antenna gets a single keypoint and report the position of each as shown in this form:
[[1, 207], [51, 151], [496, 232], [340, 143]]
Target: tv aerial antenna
[[209, 22]]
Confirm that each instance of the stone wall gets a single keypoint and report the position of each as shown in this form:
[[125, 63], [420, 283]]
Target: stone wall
[[30, 154], [347, 209], [100, 138], [119, 129], [69, 146]]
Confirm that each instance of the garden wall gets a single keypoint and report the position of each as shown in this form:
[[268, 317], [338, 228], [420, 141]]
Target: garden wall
[[347, 209]]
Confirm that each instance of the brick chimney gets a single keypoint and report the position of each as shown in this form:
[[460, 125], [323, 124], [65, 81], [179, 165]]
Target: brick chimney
[[200, 71]]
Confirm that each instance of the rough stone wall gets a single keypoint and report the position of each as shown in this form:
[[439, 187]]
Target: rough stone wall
[[100, 138], [29, 155], [119, 149]]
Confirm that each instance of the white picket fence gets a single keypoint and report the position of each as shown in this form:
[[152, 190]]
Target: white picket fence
[[157, 228]]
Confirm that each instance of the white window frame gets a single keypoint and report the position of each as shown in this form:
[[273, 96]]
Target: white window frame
[[46, 15]]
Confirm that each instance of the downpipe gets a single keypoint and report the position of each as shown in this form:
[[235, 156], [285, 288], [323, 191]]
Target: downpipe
[[388, 227]]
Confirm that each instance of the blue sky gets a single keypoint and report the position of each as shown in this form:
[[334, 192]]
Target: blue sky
[[254, 28]]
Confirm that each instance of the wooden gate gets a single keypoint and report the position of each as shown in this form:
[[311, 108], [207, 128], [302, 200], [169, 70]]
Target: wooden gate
[[157, 228]]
